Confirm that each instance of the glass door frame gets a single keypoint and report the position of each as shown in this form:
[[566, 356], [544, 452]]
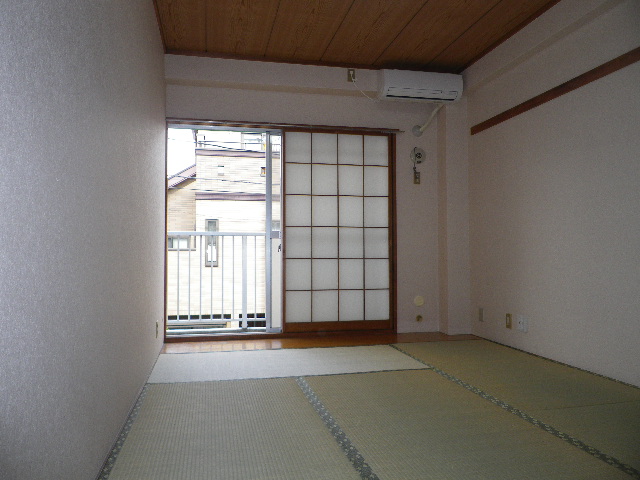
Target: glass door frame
[[269, 233]]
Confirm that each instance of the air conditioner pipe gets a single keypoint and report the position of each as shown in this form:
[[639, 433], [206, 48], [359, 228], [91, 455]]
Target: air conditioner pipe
[[417, 130]]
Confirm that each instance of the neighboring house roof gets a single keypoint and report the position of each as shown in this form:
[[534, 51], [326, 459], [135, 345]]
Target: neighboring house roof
[[182, 176]]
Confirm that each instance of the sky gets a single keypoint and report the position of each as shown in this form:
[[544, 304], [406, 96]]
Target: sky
[[180, 150]]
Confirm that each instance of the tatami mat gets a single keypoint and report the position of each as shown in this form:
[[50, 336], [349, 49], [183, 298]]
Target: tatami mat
[[418, 425], [613, 427], [249, 429], [201, 367], [473, 416], [602, 413], [522, 380]]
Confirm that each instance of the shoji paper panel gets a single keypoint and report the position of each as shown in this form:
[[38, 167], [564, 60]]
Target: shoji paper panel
[[298, 305], [336, 227], [376, 304]]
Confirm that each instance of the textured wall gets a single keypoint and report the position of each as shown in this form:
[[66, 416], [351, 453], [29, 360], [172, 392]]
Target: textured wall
[[554, 196], [82, 194]]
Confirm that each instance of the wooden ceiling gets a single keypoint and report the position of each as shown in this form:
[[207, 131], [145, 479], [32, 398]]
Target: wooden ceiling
[[430, 35]]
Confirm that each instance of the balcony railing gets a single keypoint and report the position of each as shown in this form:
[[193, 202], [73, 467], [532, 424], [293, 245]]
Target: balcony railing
[[215, 282]]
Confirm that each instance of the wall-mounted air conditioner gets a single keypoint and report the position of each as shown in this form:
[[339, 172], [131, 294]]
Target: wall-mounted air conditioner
[[419, 86]]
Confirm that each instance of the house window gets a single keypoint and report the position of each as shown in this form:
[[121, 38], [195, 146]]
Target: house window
[[253, 141], [211, 257], [178, 243]]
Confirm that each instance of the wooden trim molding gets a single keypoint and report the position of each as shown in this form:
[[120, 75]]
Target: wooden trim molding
[[291, 127], [566, 87], [359, 325]]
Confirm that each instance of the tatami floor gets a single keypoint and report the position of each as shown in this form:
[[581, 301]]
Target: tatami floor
[[375, 406]]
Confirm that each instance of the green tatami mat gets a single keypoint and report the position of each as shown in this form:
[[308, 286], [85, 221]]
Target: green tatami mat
[[245, 429], [613, 428], [522, 380], [602, 413], [419, 425]]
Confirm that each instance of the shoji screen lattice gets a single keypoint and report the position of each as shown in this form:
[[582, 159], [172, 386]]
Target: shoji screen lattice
[[337, 229]]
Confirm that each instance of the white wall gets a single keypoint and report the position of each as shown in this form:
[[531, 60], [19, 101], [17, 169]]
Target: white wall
[[453, 211], [554, 192], [214, 89], [82, 194]]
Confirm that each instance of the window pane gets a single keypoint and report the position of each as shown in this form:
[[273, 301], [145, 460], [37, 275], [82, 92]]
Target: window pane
[[325, 211], [351, 304], [298, 274], [298, 179], [350, 149], [351, 214], [376, 305], [350, 180], [325, 306], [325, 274], [298, 307], [325, 242], [376, 181], [324, 148], [298, 147], [376, 150], [376, 242], [375, 212], [298, 242], [351, 274], [351, 242], [376, 273], [298, 210], [325, 180]]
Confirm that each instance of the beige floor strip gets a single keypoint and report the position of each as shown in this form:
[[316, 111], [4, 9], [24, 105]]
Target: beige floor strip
[[245, 429], [419, 425], [206, 367]]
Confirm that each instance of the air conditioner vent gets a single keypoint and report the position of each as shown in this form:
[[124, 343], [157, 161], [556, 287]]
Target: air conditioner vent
[[420, 86]]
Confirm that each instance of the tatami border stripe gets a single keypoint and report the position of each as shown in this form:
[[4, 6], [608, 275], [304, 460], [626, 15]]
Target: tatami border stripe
[[352, 453], [111, 459], [614, 462]]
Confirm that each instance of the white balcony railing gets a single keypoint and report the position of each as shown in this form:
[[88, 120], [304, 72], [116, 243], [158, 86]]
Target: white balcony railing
[[215, 282]]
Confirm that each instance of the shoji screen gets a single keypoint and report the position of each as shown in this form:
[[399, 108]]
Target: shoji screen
[[337, 234]]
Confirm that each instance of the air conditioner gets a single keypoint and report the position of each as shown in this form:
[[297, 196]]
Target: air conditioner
[[419, 86]]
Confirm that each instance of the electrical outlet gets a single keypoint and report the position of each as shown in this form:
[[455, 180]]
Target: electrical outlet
[[508, 320], [416, 178], [351, 75], [522, 323], [481, 314], [157, 328]]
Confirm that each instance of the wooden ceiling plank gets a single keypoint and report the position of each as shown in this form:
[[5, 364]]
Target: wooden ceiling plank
[[432, 30], [368, 28], [239, 27], [182, 23], [303, 30], [497, 25]]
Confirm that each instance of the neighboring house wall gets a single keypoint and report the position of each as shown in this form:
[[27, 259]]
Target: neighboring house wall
[[82, 194], [181, 207]]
